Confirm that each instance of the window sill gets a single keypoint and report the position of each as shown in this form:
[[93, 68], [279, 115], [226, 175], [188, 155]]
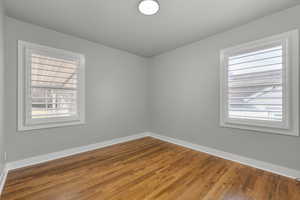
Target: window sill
[[50, 125], [289, 132]]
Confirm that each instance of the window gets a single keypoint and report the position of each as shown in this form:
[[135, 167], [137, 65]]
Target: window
[[259, 85], [51, 87]]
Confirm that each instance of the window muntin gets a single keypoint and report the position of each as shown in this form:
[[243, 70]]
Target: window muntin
[[51, 87]]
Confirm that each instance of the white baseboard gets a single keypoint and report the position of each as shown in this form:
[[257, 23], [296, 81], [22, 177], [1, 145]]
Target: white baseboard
[[225, 155], [276, 169], [60, 154], [3, 176]]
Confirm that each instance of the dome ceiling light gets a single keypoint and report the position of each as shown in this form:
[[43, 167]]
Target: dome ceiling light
[[149, 7]]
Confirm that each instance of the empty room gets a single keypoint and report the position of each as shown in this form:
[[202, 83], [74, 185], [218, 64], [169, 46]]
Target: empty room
[[149, 100]]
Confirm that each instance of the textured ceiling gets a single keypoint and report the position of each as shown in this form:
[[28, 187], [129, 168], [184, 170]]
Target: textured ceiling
[[118, 24]]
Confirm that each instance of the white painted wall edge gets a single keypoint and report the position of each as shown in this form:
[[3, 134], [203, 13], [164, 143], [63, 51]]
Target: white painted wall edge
[[276, 169], [291, 173]]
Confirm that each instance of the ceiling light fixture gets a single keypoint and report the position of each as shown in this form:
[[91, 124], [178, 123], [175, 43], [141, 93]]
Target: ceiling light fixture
[[149, 7]]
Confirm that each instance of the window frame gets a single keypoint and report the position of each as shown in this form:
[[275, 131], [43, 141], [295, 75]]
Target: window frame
[[24, 101], [290, 123]]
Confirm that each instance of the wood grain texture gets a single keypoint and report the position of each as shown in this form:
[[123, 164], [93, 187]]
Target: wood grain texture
[[146, 169]]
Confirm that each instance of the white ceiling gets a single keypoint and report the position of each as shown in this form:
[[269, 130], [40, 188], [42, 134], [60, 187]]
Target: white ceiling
[[118, 24]]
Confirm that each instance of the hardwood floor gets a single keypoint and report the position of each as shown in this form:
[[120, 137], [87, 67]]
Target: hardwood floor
[[146, 169]]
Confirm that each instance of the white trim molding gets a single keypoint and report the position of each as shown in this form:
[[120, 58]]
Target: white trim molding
[[69, 152], [289, 78], [61, 154], [25, 52], [3, 177], [276, 169]]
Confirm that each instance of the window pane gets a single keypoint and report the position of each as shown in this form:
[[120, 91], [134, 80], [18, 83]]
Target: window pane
[[48, 103], [53, 87], [255, 85]]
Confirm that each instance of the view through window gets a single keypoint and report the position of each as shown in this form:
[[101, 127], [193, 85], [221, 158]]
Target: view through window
[[255, 84], [53, 87]]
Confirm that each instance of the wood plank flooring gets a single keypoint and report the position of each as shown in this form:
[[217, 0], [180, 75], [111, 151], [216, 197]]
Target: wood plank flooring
[[146, 169]]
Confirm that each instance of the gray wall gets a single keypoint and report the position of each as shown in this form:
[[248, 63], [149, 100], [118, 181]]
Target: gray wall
[[1, 86], [182, 97], [116, 94], [185, 95]]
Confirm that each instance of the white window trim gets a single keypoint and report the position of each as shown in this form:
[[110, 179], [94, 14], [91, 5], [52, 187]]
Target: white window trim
[[23, 47], [291, 127]]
